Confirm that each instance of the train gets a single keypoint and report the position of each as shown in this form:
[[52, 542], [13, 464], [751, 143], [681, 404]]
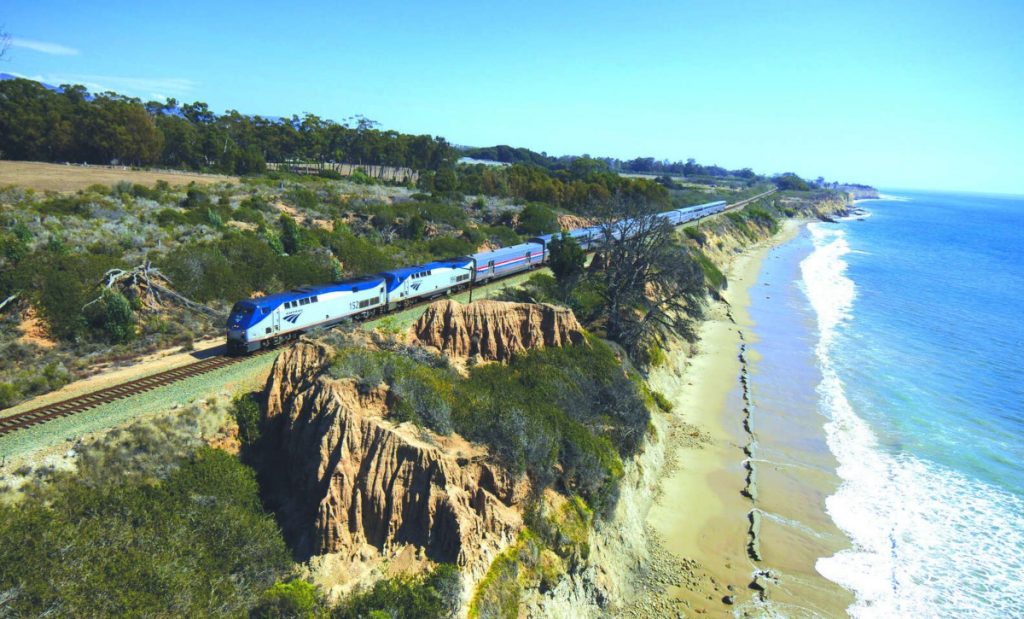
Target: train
[[263, 322]]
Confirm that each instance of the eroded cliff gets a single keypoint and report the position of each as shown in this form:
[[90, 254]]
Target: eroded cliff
[[359, 483], [495, 331]]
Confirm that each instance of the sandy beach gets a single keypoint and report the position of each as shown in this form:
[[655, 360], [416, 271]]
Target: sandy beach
[[703, 513]]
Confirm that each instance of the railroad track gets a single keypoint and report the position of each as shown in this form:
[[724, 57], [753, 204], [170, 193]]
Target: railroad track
[[77, 404], [742, 203]]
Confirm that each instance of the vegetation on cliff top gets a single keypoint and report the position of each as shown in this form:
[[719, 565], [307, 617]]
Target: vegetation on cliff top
[[564, 416]]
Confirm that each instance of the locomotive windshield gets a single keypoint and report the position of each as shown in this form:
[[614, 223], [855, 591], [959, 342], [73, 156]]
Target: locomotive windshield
[[240, 313]]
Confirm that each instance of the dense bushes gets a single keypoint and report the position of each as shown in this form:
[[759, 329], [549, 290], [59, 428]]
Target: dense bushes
[[239, 264], [112, 314], [537, 219], [297, 599], [433, 596], [140, 531], [246, 412], [59, 285]]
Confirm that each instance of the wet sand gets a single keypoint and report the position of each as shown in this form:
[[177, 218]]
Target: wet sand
[[702, 513]]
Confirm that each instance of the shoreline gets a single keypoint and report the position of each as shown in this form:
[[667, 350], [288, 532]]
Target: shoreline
[[707, 509]]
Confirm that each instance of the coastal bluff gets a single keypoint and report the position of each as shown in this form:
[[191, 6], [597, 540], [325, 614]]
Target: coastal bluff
[[361, 484], [495, 330]]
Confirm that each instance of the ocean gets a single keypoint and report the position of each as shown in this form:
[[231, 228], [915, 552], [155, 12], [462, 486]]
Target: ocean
[[916, 338]]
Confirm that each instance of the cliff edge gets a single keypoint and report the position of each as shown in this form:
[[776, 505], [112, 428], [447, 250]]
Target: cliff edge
[[494, 330]]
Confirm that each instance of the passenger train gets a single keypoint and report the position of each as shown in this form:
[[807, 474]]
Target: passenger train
[[267, 321]]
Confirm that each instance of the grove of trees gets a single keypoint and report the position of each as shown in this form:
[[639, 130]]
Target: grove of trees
[[639, 165], [70, 124]]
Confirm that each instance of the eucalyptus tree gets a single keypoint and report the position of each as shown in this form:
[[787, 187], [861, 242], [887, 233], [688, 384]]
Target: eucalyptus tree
[[652, 289]]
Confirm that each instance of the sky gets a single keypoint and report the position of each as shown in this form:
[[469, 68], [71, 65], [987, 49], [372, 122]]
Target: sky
[[895, 93]]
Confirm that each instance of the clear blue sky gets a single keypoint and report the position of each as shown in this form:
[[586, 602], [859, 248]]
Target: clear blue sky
[[898, 93]]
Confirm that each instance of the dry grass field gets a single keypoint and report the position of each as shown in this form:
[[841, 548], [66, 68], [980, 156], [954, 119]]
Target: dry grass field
[[70, 178]]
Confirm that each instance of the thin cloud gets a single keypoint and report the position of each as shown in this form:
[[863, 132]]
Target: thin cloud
[[144, 87], [54, 49]]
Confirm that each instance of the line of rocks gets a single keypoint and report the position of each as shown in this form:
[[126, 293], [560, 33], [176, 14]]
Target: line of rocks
[[761, 578], [750, 489]]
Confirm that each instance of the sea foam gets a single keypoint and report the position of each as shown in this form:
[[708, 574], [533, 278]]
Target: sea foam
[[926, 540]]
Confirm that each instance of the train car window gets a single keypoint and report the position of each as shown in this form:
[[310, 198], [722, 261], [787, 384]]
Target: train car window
[[268, 329], [315, 298]]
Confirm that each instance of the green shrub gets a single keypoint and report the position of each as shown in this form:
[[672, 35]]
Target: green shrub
[[435, 596], [415, 227], [77, 204], [246, 412], [695, 233], [498, 594], [444, 213], [762, 218], [9, 395], [247, 214], [297, 599], [196, 198], [537, 219], [446, 247], [361, 177], [357, 254], [239, 264], [168, 217], [291, 236], [302, 197], [502, 235], [59, 285], [712, 274], [112, 314]]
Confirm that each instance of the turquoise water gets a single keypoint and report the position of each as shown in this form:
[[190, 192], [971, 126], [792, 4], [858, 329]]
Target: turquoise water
[[919, 327]]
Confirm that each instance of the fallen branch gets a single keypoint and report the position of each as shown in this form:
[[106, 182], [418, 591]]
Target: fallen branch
[[9, 299], [153, 286]]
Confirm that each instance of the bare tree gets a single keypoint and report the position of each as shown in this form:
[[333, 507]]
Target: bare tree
[[652, 289], [5, 43]]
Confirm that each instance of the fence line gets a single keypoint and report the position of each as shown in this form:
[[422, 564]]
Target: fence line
[[380, 172]]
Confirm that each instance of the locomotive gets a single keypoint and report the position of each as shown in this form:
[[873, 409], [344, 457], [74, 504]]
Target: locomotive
[[268, 321]]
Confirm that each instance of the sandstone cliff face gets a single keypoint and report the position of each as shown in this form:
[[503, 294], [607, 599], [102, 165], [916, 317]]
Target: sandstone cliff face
[[356, 479], [572, 222], [495, 330]]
